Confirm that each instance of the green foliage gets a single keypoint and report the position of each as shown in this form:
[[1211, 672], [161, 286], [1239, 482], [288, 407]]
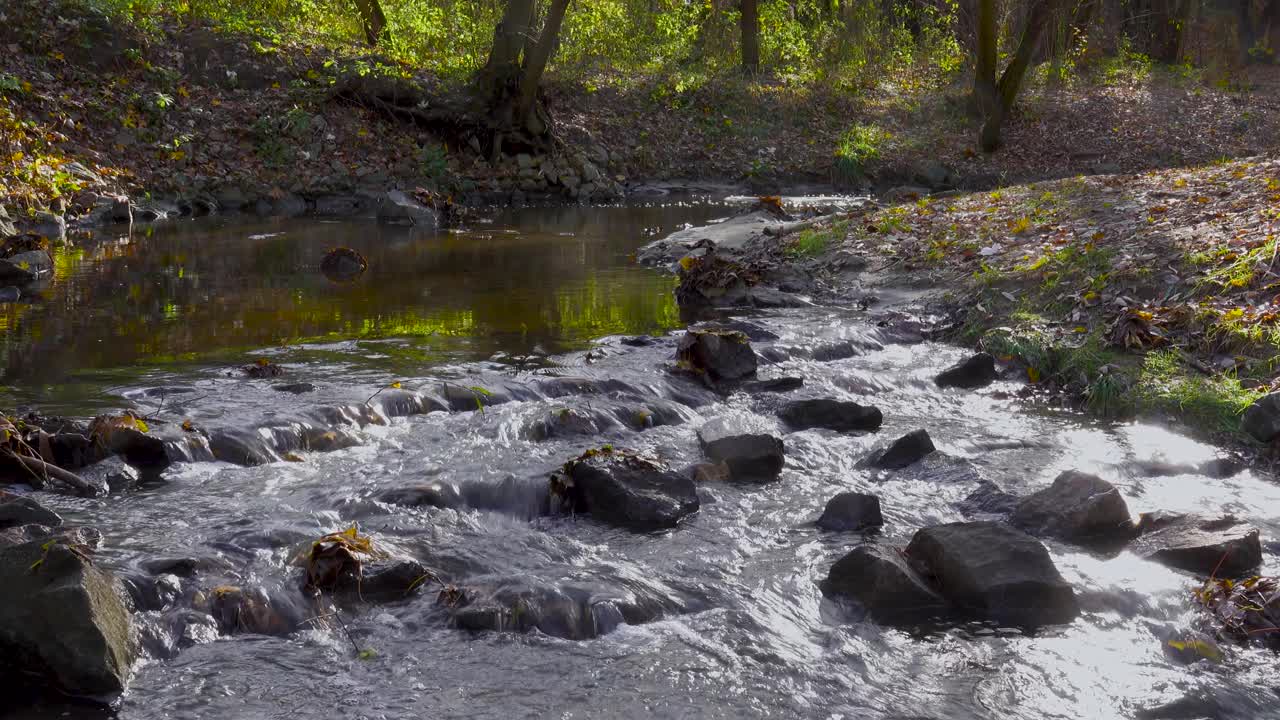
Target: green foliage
[[860, 145], [1214, 403], [815, 241]]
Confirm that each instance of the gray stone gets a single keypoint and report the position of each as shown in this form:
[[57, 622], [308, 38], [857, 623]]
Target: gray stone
[[904, 451], [838, 415], [1262, 419], [64, 621], [524, 161], [434, 494], [722, 355], [851, 511], [751, 453], [625, 490], [397, 208], [7, 228], [973, 372], [49, 225], [995, 571], [25, 267], [1076, 506], [883, 582], [1223, 548], [16, 510]]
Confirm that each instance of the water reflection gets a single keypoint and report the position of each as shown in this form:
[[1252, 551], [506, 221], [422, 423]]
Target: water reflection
[[204, 291]]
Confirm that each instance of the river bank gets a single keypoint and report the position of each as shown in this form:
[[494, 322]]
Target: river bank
[[185, 117]]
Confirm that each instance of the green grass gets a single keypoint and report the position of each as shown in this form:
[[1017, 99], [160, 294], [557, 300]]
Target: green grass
[[1212, 403], [860, 146], [812, 242]]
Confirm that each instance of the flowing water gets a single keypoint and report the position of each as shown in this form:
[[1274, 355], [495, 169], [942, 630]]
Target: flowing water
[[159, 322]]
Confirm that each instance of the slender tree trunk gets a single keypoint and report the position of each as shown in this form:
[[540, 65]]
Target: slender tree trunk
[[1011, 79], [510, 37], [535, 64], [750, 37], [984, 78], [374, 21]]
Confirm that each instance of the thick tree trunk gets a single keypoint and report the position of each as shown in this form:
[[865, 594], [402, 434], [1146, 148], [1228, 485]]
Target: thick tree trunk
[[1011, 79], [374, 21], [750, 37], [984, 77], [535, 64]]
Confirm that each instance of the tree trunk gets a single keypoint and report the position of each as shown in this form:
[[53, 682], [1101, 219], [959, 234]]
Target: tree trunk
[[535, 64], [374, 21], [1011, 79], [984, 78], [750, 37]]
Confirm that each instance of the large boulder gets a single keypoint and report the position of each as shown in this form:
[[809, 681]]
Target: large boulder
[[1222, 548], [1262, 419], [624, 489], [838, 415], [63, 620], [884, 583], [851, 511], [973, 372], [25, 267], [17, 510], [1076, 506], [721, 354], [750, 452], [995, 571], [905, 451]]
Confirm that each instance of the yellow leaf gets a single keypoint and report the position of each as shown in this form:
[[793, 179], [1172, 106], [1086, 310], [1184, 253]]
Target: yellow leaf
[[293, 457], [275, 86], [395, 385], [1080, 330], [215, 102], [1099, 235], [1020, 225], [1033, 375], [26, 86], [687, 262], [362, 132], [183, 91], [1180, 183], [177, 155]]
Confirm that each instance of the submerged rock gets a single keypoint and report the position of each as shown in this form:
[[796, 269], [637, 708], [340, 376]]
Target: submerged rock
[[721, 354], [838, 415], [570, 611], [63, 621], [343, 264], [25, 267], [973, 372], [1077, 506], [749, 454], [884, 583], [434, 494], [1222, 548], [851, 511], [1261, 420], [775, 385], [904, 451], [988, 500], [624, 489], [397, 208], [993, 570]]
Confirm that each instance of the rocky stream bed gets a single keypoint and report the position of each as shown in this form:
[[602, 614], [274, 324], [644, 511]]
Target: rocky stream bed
[[793, 508]]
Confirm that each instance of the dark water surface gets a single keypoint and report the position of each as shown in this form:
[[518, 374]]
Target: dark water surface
[[749, 635]]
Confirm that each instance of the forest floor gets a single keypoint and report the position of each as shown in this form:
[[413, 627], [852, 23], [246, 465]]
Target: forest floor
[[91, 108], [1151, 293]]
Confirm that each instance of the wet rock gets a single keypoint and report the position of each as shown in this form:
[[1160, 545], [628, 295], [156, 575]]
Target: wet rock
[[1077, 506], [624, 489], [1221, 468], [10, 294], [113, 474], [838, 415], [63, 621], [180, 566], [384, 581], [995, 571], [397, 208], [1262, 419], [851, 511], [151, 592], [988, 500], [462, 398], [974, 372], [339, 205], [7, 228], [750, 453], [343, 264], [241, 447], [774, 385], [25, 267], [571, 612], [403, 403], [754, 332], [1223, 548], [70, 450], [250, 610], [722, 355], [16, 510], [434, 494], [708, 472], [904, 451], [295, 388], [123, 435], [49, 225], [884, 583]]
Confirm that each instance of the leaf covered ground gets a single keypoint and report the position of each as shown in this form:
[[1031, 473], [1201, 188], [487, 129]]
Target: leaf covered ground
[[1156, 292]]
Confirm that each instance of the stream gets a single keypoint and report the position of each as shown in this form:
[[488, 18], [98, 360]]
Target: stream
[[159, 320]]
